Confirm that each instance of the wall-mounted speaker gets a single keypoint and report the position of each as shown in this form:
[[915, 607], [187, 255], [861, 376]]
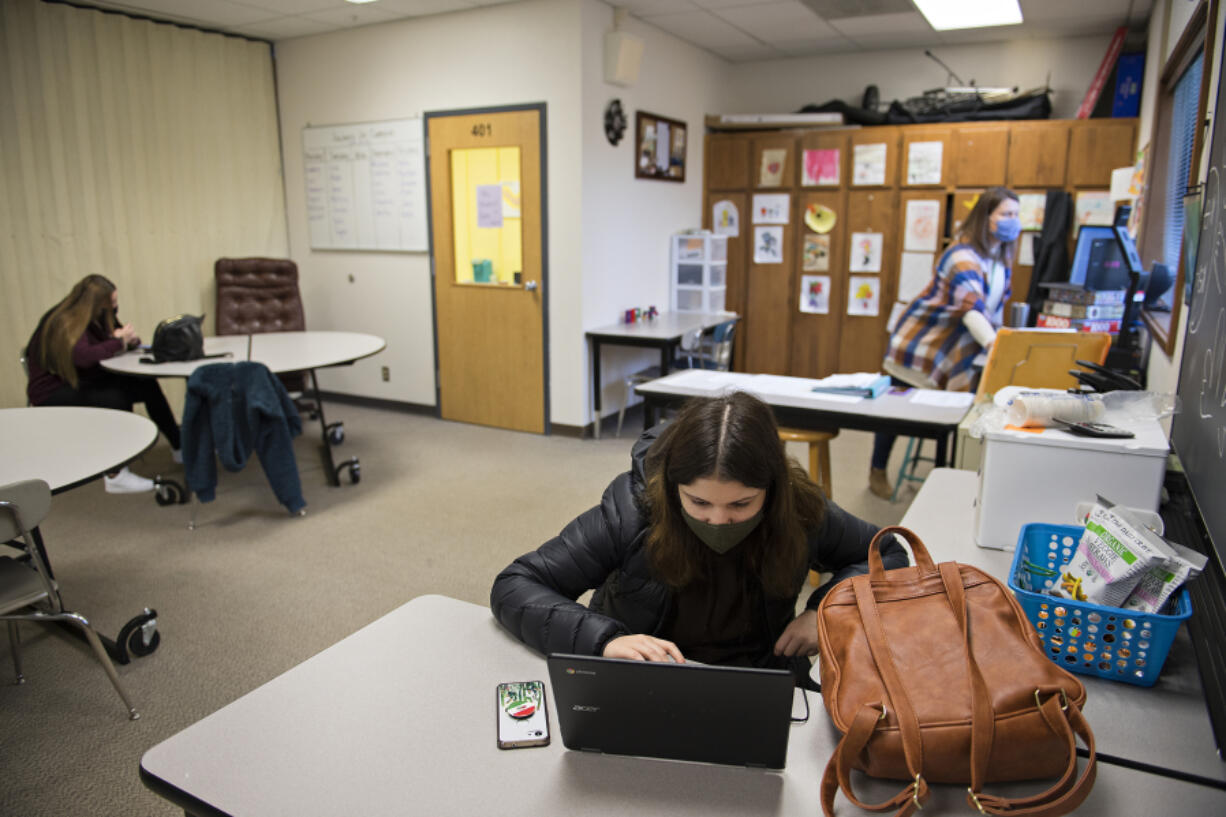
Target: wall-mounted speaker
[[622, 55]]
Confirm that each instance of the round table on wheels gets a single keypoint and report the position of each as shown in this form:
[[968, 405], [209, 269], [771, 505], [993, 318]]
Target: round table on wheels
[[281, 352], [67, 446]]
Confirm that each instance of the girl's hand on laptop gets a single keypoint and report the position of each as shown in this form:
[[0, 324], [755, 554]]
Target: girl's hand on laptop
[[799, 637], [641, 647]]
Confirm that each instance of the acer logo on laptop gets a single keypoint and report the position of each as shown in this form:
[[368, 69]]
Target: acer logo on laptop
[[582, 708]]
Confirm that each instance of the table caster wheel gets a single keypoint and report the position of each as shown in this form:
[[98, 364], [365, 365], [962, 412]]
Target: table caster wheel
[[169, 492], [355, 470], [336, 433], [140, 636]]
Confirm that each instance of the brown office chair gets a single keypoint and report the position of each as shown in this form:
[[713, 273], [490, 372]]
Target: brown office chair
[[256, 295]]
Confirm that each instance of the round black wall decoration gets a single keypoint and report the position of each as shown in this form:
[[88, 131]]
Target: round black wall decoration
[[614, 121]]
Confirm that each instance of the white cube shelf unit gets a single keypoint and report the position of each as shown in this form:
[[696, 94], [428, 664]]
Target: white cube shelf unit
[[699, 267]]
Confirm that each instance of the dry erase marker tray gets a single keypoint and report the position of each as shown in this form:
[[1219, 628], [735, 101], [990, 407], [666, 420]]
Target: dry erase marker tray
[[1112, 643]]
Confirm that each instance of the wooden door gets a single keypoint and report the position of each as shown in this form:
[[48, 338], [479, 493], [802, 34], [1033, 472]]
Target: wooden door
[[1098, 146], [734, 273], [821, 283], [727, 161], [490, 289]]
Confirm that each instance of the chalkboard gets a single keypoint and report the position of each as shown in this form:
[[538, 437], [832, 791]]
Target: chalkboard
[[365, 186], [1199, 430]]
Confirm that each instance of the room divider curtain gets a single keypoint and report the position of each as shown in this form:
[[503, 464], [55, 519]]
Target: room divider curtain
[[139, 150]]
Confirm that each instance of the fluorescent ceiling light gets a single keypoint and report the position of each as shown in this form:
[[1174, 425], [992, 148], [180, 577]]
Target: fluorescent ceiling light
[[944, 15], [359, 2]]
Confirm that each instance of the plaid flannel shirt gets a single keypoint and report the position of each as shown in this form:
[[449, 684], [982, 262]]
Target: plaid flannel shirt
[[930, 337]]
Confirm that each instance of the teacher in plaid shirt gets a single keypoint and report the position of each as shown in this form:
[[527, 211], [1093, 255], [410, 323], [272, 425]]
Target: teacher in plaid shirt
[[942, 338]]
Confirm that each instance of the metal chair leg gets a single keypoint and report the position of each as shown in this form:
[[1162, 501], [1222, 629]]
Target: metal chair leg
[[15, 648], [103, 658]]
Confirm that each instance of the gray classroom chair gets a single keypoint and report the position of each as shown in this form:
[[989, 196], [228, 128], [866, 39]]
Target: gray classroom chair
[[27, 590]]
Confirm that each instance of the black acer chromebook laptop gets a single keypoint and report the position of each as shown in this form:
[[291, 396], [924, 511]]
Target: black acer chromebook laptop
[[698, 712]]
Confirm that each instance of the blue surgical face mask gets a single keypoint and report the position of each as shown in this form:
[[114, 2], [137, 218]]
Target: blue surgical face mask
[[1008, 229]]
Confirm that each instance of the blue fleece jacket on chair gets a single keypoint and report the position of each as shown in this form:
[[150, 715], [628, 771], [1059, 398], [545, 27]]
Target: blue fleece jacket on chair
[[234, 409]]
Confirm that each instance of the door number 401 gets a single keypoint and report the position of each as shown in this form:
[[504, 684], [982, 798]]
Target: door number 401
[[483, 129]]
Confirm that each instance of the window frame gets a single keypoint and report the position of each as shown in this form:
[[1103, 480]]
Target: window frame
[[1198, 36]]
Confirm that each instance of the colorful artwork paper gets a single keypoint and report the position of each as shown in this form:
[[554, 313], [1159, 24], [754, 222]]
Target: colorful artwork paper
[[923, 218], [865, 252], [725, 219], [771, 172], [815, 294], [768, 245], [1093, 207], [868, 164], [771, 208], [820, 167], [1031, 209], [816, 256], [924, 162], [863, 295]]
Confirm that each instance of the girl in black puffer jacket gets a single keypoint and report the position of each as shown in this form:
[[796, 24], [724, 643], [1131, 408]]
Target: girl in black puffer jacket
[[700, 551]]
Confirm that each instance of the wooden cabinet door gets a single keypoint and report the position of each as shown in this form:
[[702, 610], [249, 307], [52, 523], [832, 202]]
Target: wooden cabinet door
[[1098, 146], [815, 337], [773, 162], [727, 161], [768, 293], [979, 155], [862, 340], [920, 146], [734, 294], [1037, 154], [867, 142]]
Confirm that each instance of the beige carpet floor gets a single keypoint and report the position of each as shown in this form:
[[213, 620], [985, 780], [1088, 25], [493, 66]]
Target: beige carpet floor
[[251, 592]]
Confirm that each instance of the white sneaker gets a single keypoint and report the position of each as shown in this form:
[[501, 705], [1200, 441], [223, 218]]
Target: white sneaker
[[125, 482], [176, 454]]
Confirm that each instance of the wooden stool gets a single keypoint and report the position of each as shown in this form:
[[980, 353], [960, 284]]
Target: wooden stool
[[819, 461]]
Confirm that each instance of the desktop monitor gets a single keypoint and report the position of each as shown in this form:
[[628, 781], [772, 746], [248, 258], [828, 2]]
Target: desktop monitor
[[1099, 261]]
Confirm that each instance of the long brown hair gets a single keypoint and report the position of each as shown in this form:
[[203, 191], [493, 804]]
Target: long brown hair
[[88, 302], [730, 438], [977, 229]]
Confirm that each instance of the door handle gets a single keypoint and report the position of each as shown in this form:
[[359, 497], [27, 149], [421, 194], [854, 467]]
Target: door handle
[[530, 286]]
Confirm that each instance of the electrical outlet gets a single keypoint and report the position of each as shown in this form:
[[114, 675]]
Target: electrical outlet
[[387, 374]]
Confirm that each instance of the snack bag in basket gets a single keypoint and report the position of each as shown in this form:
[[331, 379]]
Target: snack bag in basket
[[1113, 554], [1160, 581]]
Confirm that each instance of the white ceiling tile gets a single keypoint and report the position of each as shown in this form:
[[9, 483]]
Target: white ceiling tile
[[645, 9], [354, 14], [418, 8], [725, 4], [1047, 11], [215, 14], [273, 8], [282, 28], [817, 48], [777, 21], [753, 53], [703, 29], [883, 24], [899, 40]]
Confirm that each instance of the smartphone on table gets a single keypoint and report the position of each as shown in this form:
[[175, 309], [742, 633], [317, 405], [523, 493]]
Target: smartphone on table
[[522, 716]]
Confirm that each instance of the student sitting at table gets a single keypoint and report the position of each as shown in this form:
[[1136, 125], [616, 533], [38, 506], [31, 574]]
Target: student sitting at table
[[942, 338], [64, 356], [699, 551]]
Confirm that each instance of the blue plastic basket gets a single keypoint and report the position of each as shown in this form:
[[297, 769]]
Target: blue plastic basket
[[1120, 645]]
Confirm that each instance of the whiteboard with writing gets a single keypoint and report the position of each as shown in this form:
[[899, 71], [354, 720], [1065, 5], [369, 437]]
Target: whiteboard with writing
[[365, 186]]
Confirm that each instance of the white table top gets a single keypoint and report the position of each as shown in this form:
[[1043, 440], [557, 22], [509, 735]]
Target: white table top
[[1165, 725], [68, 445], [279, 351], [399, 718], [665, 326], [920, 405]]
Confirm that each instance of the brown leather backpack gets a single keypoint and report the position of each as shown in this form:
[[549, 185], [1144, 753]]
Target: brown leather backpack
[[934, 674]]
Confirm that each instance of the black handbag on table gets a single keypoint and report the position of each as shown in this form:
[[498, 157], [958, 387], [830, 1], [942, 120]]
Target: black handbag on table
[[178, 339]]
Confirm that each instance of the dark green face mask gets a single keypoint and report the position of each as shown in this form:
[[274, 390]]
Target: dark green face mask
[[722, 538]]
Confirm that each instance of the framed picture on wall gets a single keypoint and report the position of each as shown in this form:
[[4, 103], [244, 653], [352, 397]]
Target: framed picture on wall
[[659, 148]]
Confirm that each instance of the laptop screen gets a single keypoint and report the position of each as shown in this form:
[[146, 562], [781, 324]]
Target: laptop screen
[[697, 712]]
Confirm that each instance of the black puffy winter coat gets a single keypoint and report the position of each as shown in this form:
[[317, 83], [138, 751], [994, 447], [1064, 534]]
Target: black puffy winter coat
[[605, 549]]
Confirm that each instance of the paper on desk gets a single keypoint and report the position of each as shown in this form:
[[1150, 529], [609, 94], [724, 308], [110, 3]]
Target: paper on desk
[[773, 384], [932, 397], [703, 379]]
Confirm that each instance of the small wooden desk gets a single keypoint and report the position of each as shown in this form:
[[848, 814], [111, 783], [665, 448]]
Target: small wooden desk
[[664, 332], [399, 718], [1162, 729], [796, 405]]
